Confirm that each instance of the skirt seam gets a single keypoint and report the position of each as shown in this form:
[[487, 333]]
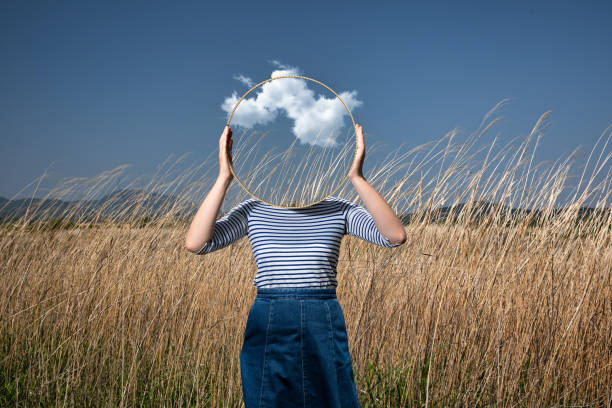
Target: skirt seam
[[302, 349], [263, 370], [331, 336]]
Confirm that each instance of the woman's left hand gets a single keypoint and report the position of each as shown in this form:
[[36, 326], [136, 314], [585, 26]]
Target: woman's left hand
[[357, 168]]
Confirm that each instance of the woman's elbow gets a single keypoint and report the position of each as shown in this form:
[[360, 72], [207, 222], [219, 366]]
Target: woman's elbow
[[191, 247], [399, 239]]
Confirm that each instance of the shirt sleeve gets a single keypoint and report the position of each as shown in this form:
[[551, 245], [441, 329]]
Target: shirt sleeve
[[359, 223], [228, 229]]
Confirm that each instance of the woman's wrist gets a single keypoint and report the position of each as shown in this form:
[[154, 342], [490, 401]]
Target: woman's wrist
[[224, 180], [355, 177]]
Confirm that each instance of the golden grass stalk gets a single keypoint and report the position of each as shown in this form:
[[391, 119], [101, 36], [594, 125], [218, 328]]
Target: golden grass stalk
[[482, 306]]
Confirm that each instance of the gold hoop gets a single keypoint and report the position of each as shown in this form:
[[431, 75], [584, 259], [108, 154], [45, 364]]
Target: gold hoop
[[231, 166]]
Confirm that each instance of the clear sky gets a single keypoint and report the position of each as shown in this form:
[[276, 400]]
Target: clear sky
[[86, 86]]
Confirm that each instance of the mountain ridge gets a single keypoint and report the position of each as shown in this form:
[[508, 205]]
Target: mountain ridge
[[138, 203]]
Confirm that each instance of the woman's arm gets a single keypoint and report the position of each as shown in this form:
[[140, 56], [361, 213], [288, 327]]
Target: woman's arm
[[387, 222], [203, 223]]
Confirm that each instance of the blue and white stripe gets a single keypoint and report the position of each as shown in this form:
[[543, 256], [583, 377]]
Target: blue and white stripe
[[295, 247]]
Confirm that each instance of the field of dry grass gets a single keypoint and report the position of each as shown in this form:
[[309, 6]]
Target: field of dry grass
[[505, 310]]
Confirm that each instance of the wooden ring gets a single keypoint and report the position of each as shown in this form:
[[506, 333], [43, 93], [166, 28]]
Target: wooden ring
[[354, 130]]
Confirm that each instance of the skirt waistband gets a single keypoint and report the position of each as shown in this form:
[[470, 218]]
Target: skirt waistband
[[299, 293]]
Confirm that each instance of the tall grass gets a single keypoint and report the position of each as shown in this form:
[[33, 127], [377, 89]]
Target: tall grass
[[482, 307]]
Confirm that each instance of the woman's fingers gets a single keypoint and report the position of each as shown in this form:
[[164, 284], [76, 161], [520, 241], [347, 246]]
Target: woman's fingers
[[229, 149], [225, 152], [356, 168], [225, 137], [360, 139]]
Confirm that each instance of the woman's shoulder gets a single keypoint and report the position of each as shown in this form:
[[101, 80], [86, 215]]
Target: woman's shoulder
[[252, 202], [340, 200], [245, 205], [335, 198]]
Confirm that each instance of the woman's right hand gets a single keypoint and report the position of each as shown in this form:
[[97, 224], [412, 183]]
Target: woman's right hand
[[225, 153], [356, 169]]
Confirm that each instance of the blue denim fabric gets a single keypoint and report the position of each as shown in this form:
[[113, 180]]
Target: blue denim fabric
[[295, 351]]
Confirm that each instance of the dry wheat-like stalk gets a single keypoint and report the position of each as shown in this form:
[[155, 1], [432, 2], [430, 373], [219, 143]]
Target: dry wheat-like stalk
[[482, 306]]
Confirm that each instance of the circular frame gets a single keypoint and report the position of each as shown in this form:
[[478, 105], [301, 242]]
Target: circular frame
[[354, 130]]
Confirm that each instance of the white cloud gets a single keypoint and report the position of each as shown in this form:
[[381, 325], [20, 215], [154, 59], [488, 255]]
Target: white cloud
[[317, 119], [245, 80], [279, 65]]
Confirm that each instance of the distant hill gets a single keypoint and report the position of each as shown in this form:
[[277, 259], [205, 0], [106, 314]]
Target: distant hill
[[481, 209], [124, 203], [134, 203]]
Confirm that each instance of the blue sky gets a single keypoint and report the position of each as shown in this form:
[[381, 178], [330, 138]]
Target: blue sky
[[87, 86]]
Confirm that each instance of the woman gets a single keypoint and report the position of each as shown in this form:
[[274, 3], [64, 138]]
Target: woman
[[295, 347]]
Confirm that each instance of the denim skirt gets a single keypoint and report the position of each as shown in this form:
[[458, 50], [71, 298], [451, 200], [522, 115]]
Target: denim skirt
[[295, 351]]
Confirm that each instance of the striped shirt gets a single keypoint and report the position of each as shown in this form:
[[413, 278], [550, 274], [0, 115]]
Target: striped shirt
[[295, 247]]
